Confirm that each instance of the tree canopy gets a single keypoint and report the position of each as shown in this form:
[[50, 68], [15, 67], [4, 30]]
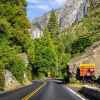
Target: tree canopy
[[14, 38]]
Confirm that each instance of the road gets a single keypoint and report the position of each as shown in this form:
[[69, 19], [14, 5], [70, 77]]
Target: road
[[20, 93], [49, 90]]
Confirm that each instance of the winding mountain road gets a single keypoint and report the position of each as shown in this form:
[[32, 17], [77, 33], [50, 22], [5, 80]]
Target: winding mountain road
[[49, 90]]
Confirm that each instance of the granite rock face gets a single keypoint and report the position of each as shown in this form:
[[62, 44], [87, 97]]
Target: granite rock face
[[72, 11], [10, 81]]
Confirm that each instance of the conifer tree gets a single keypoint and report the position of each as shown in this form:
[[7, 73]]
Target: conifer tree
[[53, 25]]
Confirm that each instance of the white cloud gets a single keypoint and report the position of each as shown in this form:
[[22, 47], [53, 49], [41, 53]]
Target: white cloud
[[41, 7], [45, 5], [38, 4], [60, 2], [33, 1]]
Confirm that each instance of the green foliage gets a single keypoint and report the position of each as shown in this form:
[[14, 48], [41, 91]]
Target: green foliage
[[53, 25], [45, 56], [84, 33], [17, 67], [14, 38], [50, 55], [2, 78], [80, 45], [52, 52], [29, 73]]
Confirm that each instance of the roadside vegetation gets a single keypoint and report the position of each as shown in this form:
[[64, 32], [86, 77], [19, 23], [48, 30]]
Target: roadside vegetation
[[50, 56], [14, 39]]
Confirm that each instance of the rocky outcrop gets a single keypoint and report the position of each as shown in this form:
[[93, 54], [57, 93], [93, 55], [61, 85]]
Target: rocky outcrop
[[72, 11], [36, 32], [10, 81]]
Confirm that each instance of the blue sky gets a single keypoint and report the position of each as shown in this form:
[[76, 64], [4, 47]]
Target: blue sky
[[37, 8]]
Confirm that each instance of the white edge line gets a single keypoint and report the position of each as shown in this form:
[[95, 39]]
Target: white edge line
[[75, 93]]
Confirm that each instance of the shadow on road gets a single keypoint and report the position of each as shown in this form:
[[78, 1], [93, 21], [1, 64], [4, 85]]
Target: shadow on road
[[91, 94]]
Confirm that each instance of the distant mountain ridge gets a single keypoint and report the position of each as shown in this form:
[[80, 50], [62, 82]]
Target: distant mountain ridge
[[72, 11]]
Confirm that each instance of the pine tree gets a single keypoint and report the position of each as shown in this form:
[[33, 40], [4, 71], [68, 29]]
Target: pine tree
[[53, 25]]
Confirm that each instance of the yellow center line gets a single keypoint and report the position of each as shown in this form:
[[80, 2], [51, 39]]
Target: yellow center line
[[34, 92]]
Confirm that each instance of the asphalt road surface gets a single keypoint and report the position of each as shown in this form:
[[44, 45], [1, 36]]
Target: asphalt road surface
[[50, 90], [20, 93], [55, 91]]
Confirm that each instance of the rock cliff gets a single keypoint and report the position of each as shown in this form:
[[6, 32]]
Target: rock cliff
[[72, 11]]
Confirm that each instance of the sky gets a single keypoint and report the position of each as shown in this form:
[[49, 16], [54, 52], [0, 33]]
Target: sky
[[36, 8]]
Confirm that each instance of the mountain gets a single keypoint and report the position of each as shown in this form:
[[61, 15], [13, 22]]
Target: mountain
[[72, 11], [86, 31], [87, 47]]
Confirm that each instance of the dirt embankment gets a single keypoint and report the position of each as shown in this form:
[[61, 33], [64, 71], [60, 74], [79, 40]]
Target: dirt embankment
[[91, 55]]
